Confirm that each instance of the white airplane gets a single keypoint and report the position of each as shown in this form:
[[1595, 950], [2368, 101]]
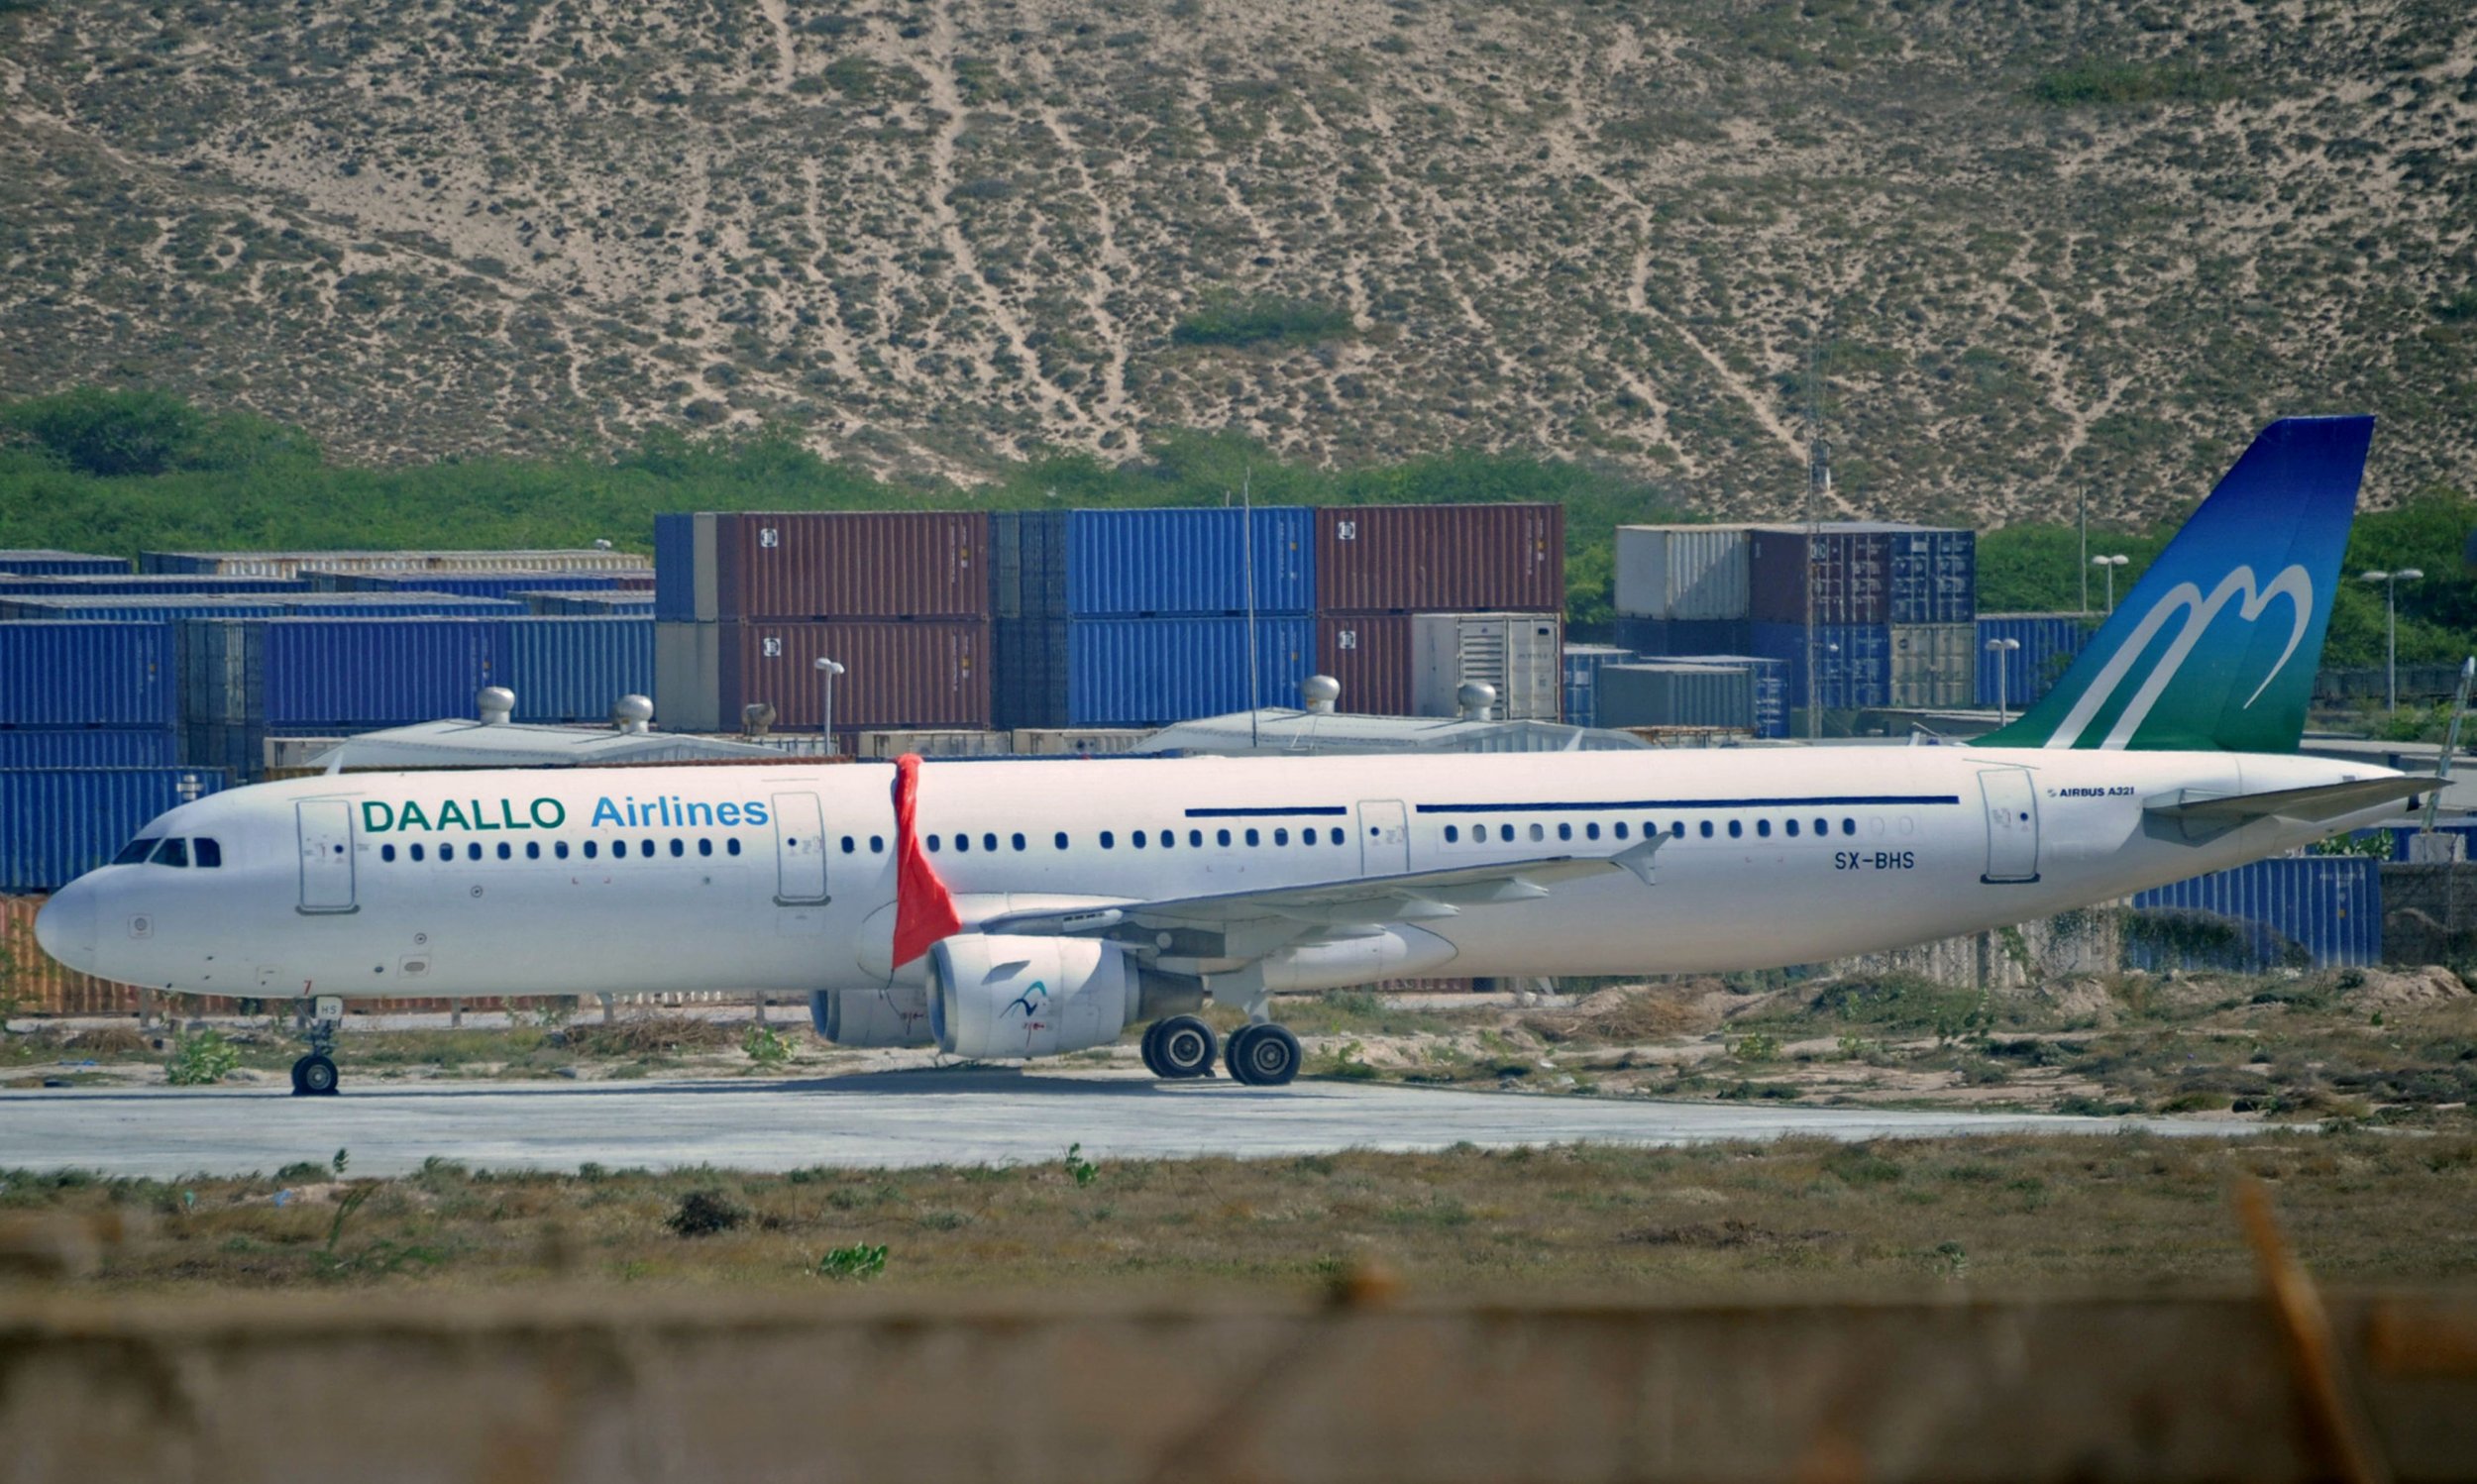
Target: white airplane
[[1028, 908]]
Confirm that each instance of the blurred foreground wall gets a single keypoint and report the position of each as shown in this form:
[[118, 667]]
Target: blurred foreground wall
[[620, 1384]]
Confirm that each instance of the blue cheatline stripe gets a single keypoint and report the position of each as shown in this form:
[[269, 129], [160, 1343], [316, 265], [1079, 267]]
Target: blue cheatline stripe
[[1848, 800], [1271, 814]]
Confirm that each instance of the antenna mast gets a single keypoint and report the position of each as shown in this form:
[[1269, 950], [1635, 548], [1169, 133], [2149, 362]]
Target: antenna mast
[[1247, 540]]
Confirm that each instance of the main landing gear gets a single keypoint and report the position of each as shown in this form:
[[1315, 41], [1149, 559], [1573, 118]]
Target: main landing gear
[[314, 1075], [1263, 1055], [1179, 1047]]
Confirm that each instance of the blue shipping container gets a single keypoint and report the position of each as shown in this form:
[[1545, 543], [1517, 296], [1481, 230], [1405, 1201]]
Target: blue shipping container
[[675, 568], [572, 669], [1771, 686], [2050, 642], [59, 823], [1145, 671], [87, 674], [145, 585], [616, 604], [465, 584], [1933, 575], [1584, 663], [1119, 564], [90, 746], [2311, 911], [1684, 636], [348, 673], [1853, 662], [170, 608], [51, 564]]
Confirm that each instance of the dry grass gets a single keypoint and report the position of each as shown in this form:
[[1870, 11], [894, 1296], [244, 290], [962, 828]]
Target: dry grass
[[1793, 1217]]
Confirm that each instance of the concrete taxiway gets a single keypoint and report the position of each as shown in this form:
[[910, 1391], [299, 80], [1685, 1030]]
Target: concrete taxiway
[[978, 1115]]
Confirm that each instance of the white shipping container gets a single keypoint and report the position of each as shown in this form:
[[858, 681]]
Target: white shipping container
[[1934, 664], [1078, 741], [1523, 655], [688, 678], [933, 744], [1682, 571]]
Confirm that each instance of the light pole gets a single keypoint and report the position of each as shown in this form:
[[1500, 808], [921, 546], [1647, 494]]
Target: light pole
[[826, 670], [2110, 562], [2391, 581], [2001, 649]]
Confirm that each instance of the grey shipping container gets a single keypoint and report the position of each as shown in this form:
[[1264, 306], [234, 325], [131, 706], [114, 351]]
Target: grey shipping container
[[293, 563], [1690, 696], [57, 823], [1408, 558], [895, 675], [1934, 664], [88, 675], [1681, 572], [1771, 686], [44, 563], [1522, 655], [2309, 911], [1582, 666]]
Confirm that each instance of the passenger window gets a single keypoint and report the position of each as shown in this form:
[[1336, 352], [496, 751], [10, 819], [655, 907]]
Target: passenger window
[[1222, 836], [618, 849], [558, 848], [732, 846], [533, 850], [963, 844], [592, 850], [473, 852], [1281, 838], [1251, 837], [704, 846], [1706, 829], [679, 848], [1676, 830], [1849, 826], [645, 848], [208, 854], [850, 845], [1620, 828], [1762, 827], [172, 852], [1452, 834], [1737, 829], [136, 851], [386, 852], [876, 844], [1109, 841], [1537, 834], [1792, 829], [1138, 840], [415, 852], [1565, 832], [1018, 842], [1060, 840], [506, 852], [1169, 840], [989, 842], [1195, 837], [1590, 832], [1823, 826], [932, 844], [1505, 832]]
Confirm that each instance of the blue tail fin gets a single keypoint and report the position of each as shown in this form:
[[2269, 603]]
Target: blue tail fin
[[2216, 645]]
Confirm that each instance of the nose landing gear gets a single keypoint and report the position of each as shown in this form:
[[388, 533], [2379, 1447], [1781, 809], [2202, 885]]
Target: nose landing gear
[[314, 1075]]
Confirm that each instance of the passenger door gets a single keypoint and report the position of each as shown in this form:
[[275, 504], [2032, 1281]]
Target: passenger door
[[799, 850], [326, 837], [2011, 825], [1384, 837]]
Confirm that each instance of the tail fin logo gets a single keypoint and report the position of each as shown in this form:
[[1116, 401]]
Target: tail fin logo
[[2184, 599]]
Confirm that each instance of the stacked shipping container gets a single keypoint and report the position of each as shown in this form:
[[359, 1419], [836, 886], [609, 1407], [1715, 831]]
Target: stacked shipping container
[[2015, 677], [52, 563], [1484, 584], [57, 823], [293, 564], [87, 694], [1582, 666]]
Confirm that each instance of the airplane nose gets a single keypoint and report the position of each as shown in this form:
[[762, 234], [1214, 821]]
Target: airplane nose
[[65, 927]]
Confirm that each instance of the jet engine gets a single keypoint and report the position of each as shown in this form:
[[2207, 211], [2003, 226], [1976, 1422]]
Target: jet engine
[[896, 1017], [1021, 997]]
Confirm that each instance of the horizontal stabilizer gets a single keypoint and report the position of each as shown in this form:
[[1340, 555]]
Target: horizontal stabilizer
[[2204, 816]]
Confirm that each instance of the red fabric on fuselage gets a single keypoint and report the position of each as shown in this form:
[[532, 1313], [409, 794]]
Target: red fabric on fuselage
[[924, 911]]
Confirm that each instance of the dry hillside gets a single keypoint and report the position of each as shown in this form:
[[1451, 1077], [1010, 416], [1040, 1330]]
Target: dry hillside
[[2029, 243]]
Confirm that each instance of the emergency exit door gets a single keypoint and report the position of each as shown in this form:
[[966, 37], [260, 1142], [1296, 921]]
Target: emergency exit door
[[1384, 837], [2011, 825], [326, 835], [798, 849]]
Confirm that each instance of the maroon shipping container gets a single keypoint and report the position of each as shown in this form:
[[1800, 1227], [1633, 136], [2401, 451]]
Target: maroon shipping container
[[1405, 559], [930, 564], [1849, 571], [1371, 655], [895, 675]]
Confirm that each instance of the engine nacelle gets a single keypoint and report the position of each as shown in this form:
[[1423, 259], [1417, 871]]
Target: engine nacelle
[[896, 1017], [1021, 997]]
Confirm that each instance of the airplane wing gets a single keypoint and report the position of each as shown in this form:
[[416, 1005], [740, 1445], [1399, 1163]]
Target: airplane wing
[[2205, 816], [1408, 898]]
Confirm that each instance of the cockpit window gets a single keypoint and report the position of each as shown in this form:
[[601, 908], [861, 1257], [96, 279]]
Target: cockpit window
[[137, 849], [172, 852], [206, 854]]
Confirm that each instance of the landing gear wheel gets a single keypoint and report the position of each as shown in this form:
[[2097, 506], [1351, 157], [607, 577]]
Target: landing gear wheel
[[1152, 1041], [1264, 1055], [1182, 1047], [313, 1077]]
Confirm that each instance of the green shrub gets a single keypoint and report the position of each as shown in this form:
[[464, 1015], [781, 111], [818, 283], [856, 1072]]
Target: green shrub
[[765, 1046], [705, 1212], [201, 1059], [858, 1262], [1224, 320]]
